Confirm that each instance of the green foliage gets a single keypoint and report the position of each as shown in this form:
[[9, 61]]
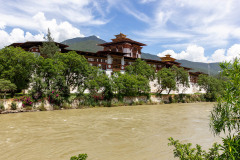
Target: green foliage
[[166, 80], [130, 85], [212, 86], [42, 108], [49, 77], [186, 152], [79, 157], [97, 82], [141, 68], [6, 85], [76, 68], [2, 108], [49, 48], [226, 114], [181, 76], [16, 65], [26, 101], [225, 117], [38, 88], [55, 98], [13, 106]]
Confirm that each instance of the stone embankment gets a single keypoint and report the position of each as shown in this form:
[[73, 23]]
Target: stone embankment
[[153, 99]]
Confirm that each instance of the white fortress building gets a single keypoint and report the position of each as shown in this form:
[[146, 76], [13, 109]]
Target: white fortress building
[[118, 54]]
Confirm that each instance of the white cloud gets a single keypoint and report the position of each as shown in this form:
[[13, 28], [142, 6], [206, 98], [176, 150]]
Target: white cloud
[[147, 1], [2, 25], [17, 35], [196, 53], [218, 55], [83, 12], [193, 53], [60, 31], [206, 23]]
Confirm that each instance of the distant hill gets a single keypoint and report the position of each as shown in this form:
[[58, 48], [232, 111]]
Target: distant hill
[[89, 44], [196, 66]]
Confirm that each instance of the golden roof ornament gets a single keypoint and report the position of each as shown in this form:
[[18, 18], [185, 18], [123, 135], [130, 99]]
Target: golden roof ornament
[[119, 36], [167, 58]]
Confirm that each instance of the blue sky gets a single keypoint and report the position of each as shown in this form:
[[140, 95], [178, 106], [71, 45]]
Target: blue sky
[[204, 31]]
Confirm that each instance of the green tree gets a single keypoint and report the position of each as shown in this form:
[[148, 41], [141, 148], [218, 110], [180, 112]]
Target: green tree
[[6, 86], [49, 48], [212, 86], [49, 81], [76, 68], [130, 85], [181, 77], [225, 117], [166, 79], [97, 82], [17, 66], [49, 70], [140, 67]]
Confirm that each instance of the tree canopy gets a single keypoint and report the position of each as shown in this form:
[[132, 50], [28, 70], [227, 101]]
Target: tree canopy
[[17, 66], [130, 85], [140, 67], [6, 85], [166, 79], [49, 48], [181, 77], [212, 86]]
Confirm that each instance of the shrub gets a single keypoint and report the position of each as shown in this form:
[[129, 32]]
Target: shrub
[[13, 106], [26, 101], [56, 107], [42, 108], [54, 97], [107, 103], [66, 106], [2, 108], [80, 157], [170, 99]]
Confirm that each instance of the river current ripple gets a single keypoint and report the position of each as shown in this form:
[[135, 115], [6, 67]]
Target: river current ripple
[[116, 133]]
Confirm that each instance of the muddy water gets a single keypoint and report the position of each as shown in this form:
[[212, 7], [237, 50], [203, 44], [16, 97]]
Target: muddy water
[[117, 133]]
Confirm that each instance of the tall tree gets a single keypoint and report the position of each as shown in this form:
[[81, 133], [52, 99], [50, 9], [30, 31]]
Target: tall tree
[[76, 68], [130, 85], [140, 67], [212, 86], [49, 48], [17, 66], [181, 77], [166, 79]]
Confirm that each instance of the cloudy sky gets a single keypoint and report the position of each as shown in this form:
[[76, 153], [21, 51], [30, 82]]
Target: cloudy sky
[[203, 30]]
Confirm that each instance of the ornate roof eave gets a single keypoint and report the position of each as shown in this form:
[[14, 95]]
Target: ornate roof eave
[[124, 41], [35, 43]]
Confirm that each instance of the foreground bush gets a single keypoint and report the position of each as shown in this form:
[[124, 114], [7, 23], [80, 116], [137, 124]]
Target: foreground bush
[[225, 117], [80, 157]]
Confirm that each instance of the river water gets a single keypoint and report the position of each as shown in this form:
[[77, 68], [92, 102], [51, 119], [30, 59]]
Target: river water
[[116, 133]]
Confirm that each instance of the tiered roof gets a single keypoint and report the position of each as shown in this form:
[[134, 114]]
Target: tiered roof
[[122, 38], [29, 44]]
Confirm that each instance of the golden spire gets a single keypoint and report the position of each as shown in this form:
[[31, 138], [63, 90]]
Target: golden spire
[[119, 36]]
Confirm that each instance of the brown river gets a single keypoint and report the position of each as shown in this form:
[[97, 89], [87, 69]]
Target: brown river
[[116, 133]]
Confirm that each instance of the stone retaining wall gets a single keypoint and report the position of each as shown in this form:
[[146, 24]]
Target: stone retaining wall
[[76, 103]]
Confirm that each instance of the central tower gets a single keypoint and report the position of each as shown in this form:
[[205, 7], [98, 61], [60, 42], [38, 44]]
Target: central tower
[[124, 45]]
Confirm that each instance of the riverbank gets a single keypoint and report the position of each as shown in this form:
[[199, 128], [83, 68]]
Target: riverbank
[[12, 106]]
